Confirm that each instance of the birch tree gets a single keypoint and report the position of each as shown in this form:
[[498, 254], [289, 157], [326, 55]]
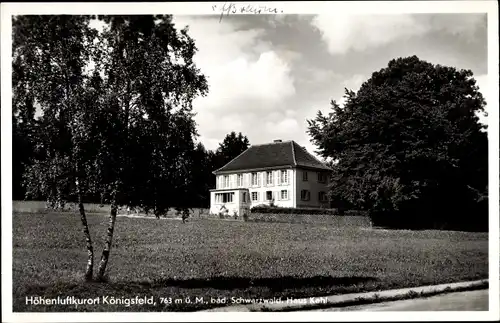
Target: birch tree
[[151, 81], [49, 57], [117, 116]]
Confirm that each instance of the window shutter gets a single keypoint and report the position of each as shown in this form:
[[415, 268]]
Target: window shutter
[[278, 182]]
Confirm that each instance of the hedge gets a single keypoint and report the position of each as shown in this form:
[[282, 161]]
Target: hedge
[[336, 221], [290, 210]]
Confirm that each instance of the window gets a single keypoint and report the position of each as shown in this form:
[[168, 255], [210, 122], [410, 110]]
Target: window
[[244, 197], [255, 179], [284, 177], [321, 178], [255, 196], [224, 197], [304, 176], [305, 195], [239, 180], [269, 195], [322, 197], [226, 181], [269, 178], [284, 195]]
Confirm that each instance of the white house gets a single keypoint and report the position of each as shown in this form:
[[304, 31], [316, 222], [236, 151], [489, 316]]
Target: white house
[[281, 172]]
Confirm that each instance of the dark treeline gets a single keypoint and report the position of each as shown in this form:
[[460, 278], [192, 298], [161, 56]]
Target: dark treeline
[[204, 163]]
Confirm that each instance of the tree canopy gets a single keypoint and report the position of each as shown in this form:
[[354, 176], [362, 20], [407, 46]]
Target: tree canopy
[[116, 118], [231, 146], [409, 147]]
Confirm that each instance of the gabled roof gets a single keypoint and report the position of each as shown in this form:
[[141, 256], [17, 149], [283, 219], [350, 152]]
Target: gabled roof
[[271, 155]]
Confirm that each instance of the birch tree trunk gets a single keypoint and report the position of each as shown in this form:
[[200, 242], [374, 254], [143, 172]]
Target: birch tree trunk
[[109, 238], [90, 249], [89, 271]]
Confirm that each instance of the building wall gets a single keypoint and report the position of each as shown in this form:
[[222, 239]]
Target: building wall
[[294, 186], [312, 185], [276, 187], [262, 187]]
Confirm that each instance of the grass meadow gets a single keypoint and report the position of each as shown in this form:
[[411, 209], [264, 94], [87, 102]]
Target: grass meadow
[[212, 258]]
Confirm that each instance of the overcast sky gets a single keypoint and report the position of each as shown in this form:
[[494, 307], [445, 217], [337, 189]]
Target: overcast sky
[[269, 74]]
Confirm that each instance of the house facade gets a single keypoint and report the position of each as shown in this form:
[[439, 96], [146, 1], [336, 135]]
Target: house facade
[[282, 173]]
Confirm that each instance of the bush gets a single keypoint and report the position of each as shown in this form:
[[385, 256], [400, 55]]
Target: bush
[[289, 210]]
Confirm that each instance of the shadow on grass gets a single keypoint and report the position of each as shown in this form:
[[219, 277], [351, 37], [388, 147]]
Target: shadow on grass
[[278, 283], [215, 283]]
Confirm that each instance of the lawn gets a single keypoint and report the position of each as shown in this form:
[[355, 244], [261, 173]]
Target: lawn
[[215, 258]]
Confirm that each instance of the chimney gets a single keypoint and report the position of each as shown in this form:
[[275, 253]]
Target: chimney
[[277, 140]]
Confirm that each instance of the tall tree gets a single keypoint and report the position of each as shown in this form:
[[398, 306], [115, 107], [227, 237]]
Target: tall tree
[[409, 147], [49, 57], [151, 80], [232, 145]]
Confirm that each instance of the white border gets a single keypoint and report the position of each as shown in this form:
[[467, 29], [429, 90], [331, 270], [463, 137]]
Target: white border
[[295, 7], [203, 8]]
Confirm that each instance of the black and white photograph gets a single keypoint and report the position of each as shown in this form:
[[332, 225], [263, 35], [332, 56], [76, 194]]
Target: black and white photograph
[[269, 157]]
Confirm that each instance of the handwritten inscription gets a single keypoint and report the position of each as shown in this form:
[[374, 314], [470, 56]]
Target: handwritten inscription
[[233, 8]]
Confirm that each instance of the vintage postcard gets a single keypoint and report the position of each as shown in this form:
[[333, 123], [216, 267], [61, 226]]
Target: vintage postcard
[[322, 161]]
